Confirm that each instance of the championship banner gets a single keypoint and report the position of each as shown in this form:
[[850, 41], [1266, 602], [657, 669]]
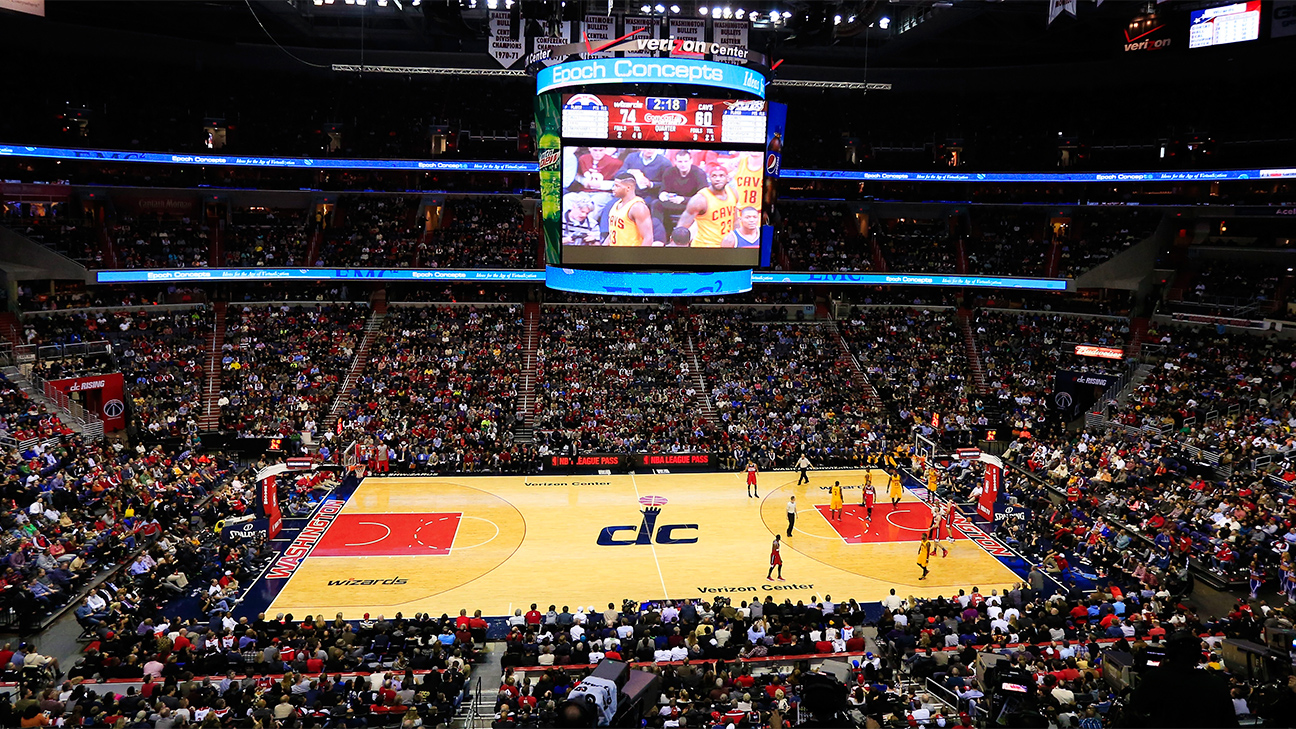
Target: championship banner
[[1283, 19], [31, 7], [503, 46], [990, 488], [1056, 7], [648, 29], [688, 29], [544, 45], [98, 394], [599, 31], [730, 33]]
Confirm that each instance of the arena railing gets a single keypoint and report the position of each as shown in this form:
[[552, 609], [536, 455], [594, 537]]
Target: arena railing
[[92, 428]]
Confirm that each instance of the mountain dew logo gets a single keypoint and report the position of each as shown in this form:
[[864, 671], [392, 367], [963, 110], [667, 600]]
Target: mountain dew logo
[[549, 158]]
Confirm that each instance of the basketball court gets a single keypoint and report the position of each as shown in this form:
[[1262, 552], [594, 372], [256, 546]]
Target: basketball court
[[498, 543]]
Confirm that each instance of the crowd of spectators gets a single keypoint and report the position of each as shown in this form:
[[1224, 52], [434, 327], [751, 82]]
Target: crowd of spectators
[[917, 361], [373, 230], [282, 365], [54, 228], [160, 242], [262, 237], [1007, 241], [23, 419], [1100, 236], [617, 380], [73, 510], [916, 245], [482, 232], [439, 392], [780, 389], [823, 237], [1227, 285], [1022, 352], [1216, 390]]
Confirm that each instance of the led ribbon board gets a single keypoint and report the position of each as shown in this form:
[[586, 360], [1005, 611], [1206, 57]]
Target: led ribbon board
[[648, 283], [316, 274], [597, 71], [911, 279]]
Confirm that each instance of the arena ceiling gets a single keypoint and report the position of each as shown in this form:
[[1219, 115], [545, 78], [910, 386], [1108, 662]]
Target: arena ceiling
[[843, 35]]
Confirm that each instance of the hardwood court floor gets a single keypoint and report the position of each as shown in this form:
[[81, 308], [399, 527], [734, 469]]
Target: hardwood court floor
[[499, 543]]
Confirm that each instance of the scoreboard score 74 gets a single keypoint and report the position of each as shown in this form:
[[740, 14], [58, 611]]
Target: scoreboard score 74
[[663, 119]]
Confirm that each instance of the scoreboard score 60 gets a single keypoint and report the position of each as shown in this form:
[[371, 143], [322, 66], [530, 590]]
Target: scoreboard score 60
[[663, 119]]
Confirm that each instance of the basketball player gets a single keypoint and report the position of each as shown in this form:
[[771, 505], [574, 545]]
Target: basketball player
[[949, 527], [933, 480], [714, 210], [776, 560], [752, 490], [897, 491], [924, 554], [835, 502], [747, 234], [748, 181], [869, 498], [629, 222]]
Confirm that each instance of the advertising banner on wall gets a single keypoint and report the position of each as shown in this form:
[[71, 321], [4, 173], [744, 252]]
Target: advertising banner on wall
[[991, 486], [1074, 392], [548, 121], [270, 505], [99, 394]]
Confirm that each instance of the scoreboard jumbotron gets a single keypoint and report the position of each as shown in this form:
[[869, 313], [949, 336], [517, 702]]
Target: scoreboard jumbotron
[[663, 119]]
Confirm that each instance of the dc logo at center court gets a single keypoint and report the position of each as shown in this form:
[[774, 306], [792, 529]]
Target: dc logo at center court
[[644, 533]]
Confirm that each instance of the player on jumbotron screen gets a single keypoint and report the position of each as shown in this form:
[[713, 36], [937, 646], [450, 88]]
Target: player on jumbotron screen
[[629, 222], [713, 211]]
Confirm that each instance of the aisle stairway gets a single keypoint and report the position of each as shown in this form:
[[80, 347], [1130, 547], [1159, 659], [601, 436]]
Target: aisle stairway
[[1054, 264], [1138, 332], [91, 428], [210, 419], [973, 352], [10, 328], [702, 393], [526, 394], [846, 361], [372, 327]]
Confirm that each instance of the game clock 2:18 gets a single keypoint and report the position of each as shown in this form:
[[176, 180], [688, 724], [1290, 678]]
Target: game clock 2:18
[[664, 103]]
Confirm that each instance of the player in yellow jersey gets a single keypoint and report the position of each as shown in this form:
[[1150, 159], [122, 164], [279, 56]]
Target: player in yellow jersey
[[748, 179], [924, 554], [835, 501], [933, 480], [629, 222], [897, 490], [713, 211]]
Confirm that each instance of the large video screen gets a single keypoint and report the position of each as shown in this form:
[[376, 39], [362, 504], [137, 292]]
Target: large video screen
[[686, 120], [643, 206], [1225, 24]]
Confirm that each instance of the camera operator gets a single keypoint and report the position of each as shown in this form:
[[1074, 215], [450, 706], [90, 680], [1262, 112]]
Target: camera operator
[[1178, 694]]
